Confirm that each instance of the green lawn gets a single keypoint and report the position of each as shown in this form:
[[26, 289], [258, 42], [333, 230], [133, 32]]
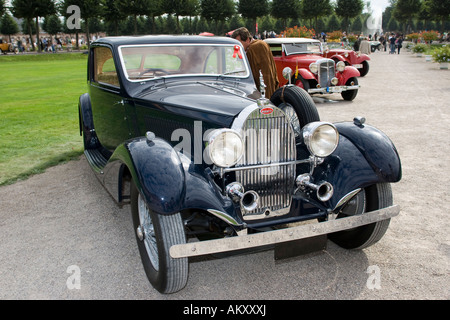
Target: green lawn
[[38, 112]]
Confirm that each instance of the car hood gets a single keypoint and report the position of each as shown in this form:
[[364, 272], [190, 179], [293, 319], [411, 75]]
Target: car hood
[[304, 59], [214, 102]]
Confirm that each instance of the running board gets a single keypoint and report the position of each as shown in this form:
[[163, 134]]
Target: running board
[[96, 159]]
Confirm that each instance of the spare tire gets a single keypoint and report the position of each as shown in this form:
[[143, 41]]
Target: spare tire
[[298, 106]]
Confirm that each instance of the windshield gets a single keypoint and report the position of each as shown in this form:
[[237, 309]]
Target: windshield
[[304, 47], [146, 62]]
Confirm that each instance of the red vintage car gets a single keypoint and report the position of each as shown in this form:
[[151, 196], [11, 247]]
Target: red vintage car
[[311, 70], [350, 58]]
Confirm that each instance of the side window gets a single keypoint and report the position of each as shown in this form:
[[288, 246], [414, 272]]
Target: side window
[[276, 50], [104, 69]]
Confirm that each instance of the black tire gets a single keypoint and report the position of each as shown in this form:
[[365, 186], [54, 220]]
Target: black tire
[[293, 98], [155, 234], [371, 198], [365, 69], [350, 95]]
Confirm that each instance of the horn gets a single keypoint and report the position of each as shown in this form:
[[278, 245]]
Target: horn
[[324, 190], [248, 200]]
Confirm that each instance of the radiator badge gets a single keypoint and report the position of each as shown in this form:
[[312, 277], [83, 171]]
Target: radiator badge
[[266, 110]]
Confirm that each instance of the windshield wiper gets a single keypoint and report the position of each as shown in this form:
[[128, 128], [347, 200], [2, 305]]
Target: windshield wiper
[[232, 72]]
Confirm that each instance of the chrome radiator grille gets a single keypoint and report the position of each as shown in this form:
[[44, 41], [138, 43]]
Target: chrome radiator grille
[[269, 139], [326, 72]]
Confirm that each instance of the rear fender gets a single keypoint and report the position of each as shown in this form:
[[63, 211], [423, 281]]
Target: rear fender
[[85, 113], [86, 122], [364, 57]]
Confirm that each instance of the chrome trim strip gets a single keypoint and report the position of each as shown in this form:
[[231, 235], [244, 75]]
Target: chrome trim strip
[[278, 236], [260, 166], [224, 216]]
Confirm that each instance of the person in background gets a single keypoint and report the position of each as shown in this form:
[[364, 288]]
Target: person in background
[[260, 59], [392, 44], [364, 47], [398, 43]]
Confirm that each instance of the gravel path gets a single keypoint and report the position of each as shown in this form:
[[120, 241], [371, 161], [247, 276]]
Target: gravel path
[[62, 223]]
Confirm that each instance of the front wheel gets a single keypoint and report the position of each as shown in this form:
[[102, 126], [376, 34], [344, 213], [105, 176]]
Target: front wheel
[[350, 95], [375, 197], [155, 234]]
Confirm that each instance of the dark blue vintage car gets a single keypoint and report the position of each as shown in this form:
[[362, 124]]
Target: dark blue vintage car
[[175, 127]]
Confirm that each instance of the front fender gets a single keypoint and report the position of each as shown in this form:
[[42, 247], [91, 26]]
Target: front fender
[[350, 72], [339, 58], [306, 74], [167, 179], [156, 170], [364, 156]]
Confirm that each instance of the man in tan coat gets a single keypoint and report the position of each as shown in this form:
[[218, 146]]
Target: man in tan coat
[[260, 58]]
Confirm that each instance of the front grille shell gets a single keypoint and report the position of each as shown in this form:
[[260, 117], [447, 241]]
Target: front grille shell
[[268, 139], [326, 72]]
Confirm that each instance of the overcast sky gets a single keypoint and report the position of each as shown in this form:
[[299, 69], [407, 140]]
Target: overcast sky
[[379, 4]]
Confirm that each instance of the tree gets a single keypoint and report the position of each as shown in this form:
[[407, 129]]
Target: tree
[[253, 9], [333, 23], [52, 25], [2, 7], [89, 9], [8, 26], [134, 8], [112, 14], [33, 9], [315, 9], [348, 9], [405, 11], [285, 9], [439, 9], [217, 10], [188, 8]]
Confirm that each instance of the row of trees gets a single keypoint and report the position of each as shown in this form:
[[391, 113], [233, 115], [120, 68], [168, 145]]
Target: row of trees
[[147, 16]]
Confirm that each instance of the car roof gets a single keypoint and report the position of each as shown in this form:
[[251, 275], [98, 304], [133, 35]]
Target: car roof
[[164, 39], [290, 40]]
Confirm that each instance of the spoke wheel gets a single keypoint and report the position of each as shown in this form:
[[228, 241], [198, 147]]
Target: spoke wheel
[[155, 234]]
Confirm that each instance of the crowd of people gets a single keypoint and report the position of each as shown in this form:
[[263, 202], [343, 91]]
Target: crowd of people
[[47, 43]]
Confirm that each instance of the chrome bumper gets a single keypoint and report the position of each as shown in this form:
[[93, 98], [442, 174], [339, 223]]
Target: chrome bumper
[[338, 89], [278, 236]]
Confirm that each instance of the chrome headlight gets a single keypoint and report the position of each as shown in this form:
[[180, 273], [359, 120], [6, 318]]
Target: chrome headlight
[[314, 68], [225, 147], [340, 66], [321, 138]]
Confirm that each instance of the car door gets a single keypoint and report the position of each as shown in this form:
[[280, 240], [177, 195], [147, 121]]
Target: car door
[[108, 109]]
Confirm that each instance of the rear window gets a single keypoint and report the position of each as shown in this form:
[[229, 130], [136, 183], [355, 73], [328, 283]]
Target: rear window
[[104, 68]]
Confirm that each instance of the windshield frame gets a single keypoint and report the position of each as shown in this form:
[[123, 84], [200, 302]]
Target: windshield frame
[[229, 74], [289, 53]]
